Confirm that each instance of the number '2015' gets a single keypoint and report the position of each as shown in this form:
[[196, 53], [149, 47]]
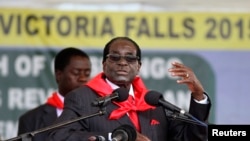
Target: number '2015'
[[224, 28]]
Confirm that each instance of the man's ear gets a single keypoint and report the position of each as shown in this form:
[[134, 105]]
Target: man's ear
[[103, 65], [58, 75], [139, 67]]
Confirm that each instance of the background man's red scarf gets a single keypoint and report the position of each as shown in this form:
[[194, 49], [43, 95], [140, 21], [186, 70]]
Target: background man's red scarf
[[55, 101], [99, 85]]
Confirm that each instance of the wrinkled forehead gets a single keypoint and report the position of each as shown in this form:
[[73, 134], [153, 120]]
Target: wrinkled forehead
[[122, 45]]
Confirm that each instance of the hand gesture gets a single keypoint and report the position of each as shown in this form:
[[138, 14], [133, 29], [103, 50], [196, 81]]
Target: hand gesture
[[188, 77]]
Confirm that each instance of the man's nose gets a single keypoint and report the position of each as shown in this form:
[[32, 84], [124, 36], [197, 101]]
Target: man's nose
[[83, 78]]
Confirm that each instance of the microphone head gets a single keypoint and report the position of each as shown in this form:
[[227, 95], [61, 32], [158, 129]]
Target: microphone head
[[152, 98], [128, 132], [122, 94]]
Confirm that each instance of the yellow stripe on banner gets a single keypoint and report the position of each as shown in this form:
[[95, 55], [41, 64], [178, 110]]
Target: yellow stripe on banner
[[171, 30]]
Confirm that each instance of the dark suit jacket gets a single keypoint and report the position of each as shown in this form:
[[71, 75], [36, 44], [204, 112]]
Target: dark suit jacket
[[78, 103], [35, 119]]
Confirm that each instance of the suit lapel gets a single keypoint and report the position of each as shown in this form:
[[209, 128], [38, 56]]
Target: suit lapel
[[49, 115], [144, 119]]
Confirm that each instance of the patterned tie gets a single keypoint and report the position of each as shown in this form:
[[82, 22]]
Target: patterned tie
[[133, 115]]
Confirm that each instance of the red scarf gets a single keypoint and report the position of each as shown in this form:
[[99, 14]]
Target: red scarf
[[99, 85], [55, 101]]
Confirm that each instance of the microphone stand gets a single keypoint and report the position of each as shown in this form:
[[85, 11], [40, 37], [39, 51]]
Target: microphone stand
[[29, 135], [193, 120]]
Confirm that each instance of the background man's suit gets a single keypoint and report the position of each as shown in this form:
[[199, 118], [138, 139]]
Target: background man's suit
[[42, 116]]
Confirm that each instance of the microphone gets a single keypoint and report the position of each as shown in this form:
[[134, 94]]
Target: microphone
[[96, 138], [124, 133], [155, 98], [119, 95]]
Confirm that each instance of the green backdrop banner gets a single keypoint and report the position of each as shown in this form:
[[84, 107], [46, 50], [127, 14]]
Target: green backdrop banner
[[26, 79]]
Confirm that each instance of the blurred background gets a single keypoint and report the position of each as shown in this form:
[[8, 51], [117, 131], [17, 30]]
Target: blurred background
[[211, 37]]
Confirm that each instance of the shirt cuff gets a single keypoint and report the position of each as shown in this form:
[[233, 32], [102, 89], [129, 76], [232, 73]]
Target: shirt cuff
[[203, 101]]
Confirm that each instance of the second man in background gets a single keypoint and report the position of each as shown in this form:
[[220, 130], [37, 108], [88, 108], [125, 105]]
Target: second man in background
[[72, 68]]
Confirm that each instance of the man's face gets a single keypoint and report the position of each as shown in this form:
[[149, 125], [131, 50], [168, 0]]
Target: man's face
[[75, 74], [121, 70]]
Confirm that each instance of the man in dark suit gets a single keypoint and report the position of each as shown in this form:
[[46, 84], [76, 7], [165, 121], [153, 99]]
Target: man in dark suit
[[121, 66], [72, 68]]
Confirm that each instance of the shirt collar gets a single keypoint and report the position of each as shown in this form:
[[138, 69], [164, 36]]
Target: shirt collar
[[60, 97], [114, 86]]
